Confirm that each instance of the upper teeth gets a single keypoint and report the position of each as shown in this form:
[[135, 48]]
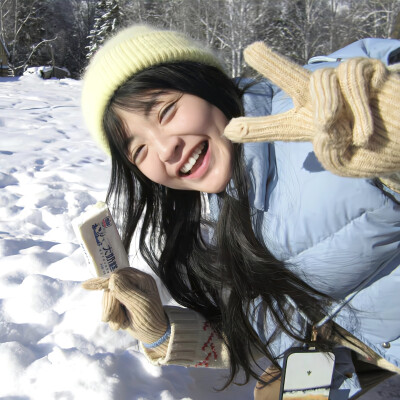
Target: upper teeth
[[192, 159]]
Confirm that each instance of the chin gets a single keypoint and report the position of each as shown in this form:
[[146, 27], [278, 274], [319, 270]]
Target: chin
[[218, 188]]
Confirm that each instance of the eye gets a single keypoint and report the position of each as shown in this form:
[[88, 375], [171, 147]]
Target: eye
[[166, 111], [137, 154]]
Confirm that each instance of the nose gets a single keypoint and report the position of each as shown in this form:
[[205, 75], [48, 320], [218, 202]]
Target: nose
[[168, 147]]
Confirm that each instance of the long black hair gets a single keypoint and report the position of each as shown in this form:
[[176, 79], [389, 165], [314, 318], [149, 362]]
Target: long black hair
[[219, 278]]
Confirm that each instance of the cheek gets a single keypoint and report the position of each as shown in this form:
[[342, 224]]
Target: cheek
[[196, 120], [153, 169], [227, 160]]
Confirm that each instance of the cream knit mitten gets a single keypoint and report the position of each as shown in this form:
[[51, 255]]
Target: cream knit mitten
[[131, 301], [350, 113]]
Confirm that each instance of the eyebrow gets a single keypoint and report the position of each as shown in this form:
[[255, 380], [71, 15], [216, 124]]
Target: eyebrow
[[127, 142], [148, 106], [153, 99]]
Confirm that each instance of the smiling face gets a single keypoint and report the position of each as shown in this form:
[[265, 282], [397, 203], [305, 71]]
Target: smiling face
[[178, 142]]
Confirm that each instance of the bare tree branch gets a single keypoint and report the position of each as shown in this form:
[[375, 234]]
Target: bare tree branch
[[36, 46]]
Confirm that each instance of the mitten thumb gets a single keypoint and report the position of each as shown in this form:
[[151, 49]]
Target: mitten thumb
[[95, 284], [113, 311]]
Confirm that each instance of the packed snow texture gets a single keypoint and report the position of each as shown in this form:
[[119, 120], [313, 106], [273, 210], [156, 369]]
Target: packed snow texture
[[52, 343]]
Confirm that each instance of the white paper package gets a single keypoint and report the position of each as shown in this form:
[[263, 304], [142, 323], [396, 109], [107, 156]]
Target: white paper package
[[100, 240]]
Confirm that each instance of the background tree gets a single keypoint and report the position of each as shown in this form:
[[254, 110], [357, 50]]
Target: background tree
[[140, 11], [108, 17], [304, 28], [65, 32], [23, 29], [83, 12], [4, 12], [375, 18], [396, 28], [236, 33]]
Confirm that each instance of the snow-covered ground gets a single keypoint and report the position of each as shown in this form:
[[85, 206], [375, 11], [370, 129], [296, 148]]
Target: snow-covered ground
[[52, 343]]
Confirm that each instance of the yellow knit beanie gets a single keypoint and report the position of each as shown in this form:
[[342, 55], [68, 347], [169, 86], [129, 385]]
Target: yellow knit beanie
[[130, 51]]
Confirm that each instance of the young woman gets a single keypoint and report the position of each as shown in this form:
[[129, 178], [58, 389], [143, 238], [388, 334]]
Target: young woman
[[285, 244]]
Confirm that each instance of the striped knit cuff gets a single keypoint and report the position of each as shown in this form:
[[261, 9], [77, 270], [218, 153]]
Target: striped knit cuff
[[160, 341], [193, 343]]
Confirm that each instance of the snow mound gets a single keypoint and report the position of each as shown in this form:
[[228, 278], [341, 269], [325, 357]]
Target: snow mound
[[52, 343]]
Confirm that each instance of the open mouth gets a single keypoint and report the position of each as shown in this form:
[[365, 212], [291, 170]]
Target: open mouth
[[195, 160]]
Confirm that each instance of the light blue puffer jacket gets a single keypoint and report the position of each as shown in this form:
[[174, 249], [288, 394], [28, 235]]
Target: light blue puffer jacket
[[341, 235]]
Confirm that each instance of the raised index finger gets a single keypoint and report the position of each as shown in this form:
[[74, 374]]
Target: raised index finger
[[289, 76]]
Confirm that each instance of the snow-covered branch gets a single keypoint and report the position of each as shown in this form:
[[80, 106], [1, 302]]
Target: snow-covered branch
[[34, 49]]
